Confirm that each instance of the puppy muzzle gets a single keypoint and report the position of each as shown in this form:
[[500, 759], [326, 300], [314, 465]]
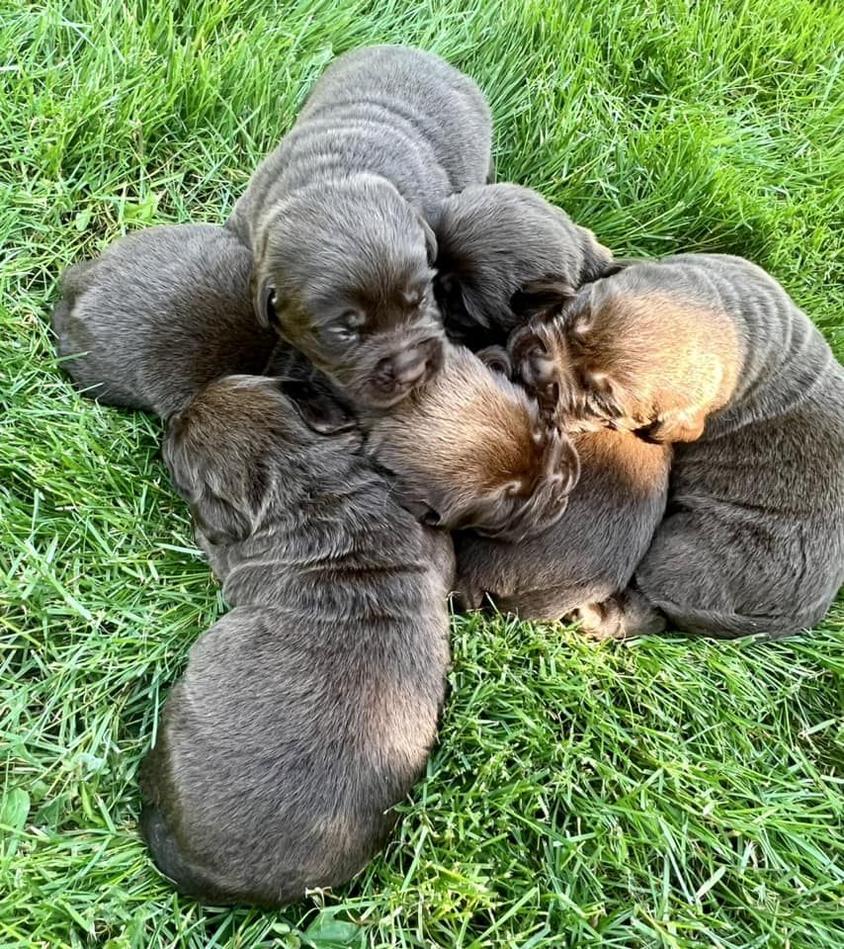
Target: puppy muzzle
[[396, 375]]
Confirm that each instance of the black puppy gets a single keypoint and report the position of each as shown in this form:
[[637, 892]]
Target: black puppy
[[158, 315], [335, 216], [310, 709]]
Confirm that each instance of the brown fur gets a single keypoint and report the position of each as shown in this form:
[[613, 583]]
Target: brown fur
[[654, 361], [308, 710], [574, 569], [709, 350], [470, 449]]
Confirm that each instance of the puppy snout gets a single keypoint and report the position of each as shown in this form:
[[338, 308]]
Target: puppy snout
[[414, 365]]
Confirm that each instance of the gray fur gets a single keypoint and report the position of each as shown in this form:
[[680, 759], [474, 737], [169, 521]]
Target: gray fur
[[494, 239], [310, 709], [709, 350], [335, 216], [159, 314]]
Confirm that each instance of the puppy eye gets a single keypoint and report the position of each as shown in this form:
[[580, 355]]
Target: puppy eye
[[344, 329], [270, 304]]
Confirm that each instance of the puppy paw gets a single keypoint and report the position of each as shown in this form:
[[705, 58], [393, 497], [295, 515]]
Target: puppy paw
[[621, 616], [676, 427], [536, 364]]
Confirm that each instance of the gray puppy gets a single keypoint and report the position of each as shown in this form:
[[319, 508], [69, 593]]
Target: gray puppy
[[335, 216], [158, 315], [708, 350], [310, 709], [494, 239]]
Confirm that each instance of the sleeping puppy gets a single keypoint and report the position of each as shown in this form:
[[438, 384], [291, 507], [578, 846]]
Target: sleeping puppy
[[493, 240], [335, 217], [710, 352], [470, 449], [310, 709], [574, 570], [158, 315]]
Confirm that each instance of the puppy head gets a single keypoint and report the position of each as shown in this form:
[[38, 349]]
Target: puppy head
[[246, 447], [567, 354], [470, 450], [494, 239], [621, 353], [344, 271]]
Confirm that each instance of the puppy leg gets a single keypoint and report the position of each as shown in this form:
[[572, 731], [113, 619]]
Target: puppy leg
[[716, 576]]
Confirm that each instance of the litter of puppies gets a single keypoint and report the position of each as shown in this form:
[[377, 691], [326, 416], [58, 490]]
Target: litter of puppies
[[380, 348]]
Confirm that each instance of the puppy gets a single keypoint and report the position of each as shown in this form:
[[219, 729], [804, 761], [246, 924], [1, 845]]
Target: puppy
[[493, 240], [575, 569], [335, 217], [310, 709], [158, 315], [710, 352], [470, 449]]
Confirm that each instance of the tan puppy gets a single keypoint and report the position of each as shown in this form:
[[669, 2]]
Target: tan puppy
[[470, 449], [709, 349]]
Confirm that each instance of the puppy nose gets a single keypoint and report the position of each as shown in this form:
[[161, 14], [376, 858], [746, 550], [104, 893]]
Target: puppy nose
[[410, 366]]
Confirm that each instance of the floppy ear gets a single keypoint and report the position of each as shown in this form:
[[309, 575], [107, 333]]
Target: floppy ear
[[598, 261], [430, 240], [214, 499], [547, 294], [318, 406], [264, 300]]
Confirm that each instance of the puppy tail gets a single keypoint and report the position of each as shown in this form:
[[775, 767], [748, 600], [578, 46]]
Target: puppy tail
[[168, 857]]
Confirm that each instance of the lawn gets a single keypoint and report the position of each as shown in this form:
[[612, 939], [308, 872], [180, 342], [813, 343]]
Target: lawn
[[662, 793]]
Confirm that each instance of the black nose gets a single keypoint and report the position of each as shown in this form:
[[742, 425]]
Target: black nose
[[410, 366]]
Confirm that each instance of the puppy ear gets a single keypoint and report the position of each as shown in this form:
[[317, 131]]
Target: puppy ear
[[318, 406], [497, 359], [264, 301], [220, 506], [430, 240], [543, 295], [598, 261]]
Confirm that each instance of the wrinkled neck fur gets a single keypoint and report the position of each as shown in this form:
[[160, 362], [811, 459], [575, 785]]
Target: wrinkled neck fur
[[783, 356]]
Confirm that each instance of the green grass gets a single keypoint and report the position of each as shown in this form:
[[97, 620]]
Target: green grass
[[666, 793]]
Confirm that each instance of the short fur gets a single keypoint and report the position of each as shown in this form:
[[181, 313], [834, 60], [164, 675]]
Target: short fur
[[573, 570], [709, 349], [469, 449], [158, 315], [494, 239], [310, 709], [335, 216]]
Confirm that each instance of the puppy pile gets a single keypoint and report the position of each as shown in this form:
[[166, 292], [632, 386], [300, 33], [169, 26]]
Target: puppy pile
[[381, 347]]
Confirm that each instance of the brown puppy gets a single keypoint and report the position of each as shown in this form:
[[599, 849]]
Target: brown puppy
[[310, 709], [709, 349], [494, 239], [469, 449], [573, 570], [158, 315], [335, 216]]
